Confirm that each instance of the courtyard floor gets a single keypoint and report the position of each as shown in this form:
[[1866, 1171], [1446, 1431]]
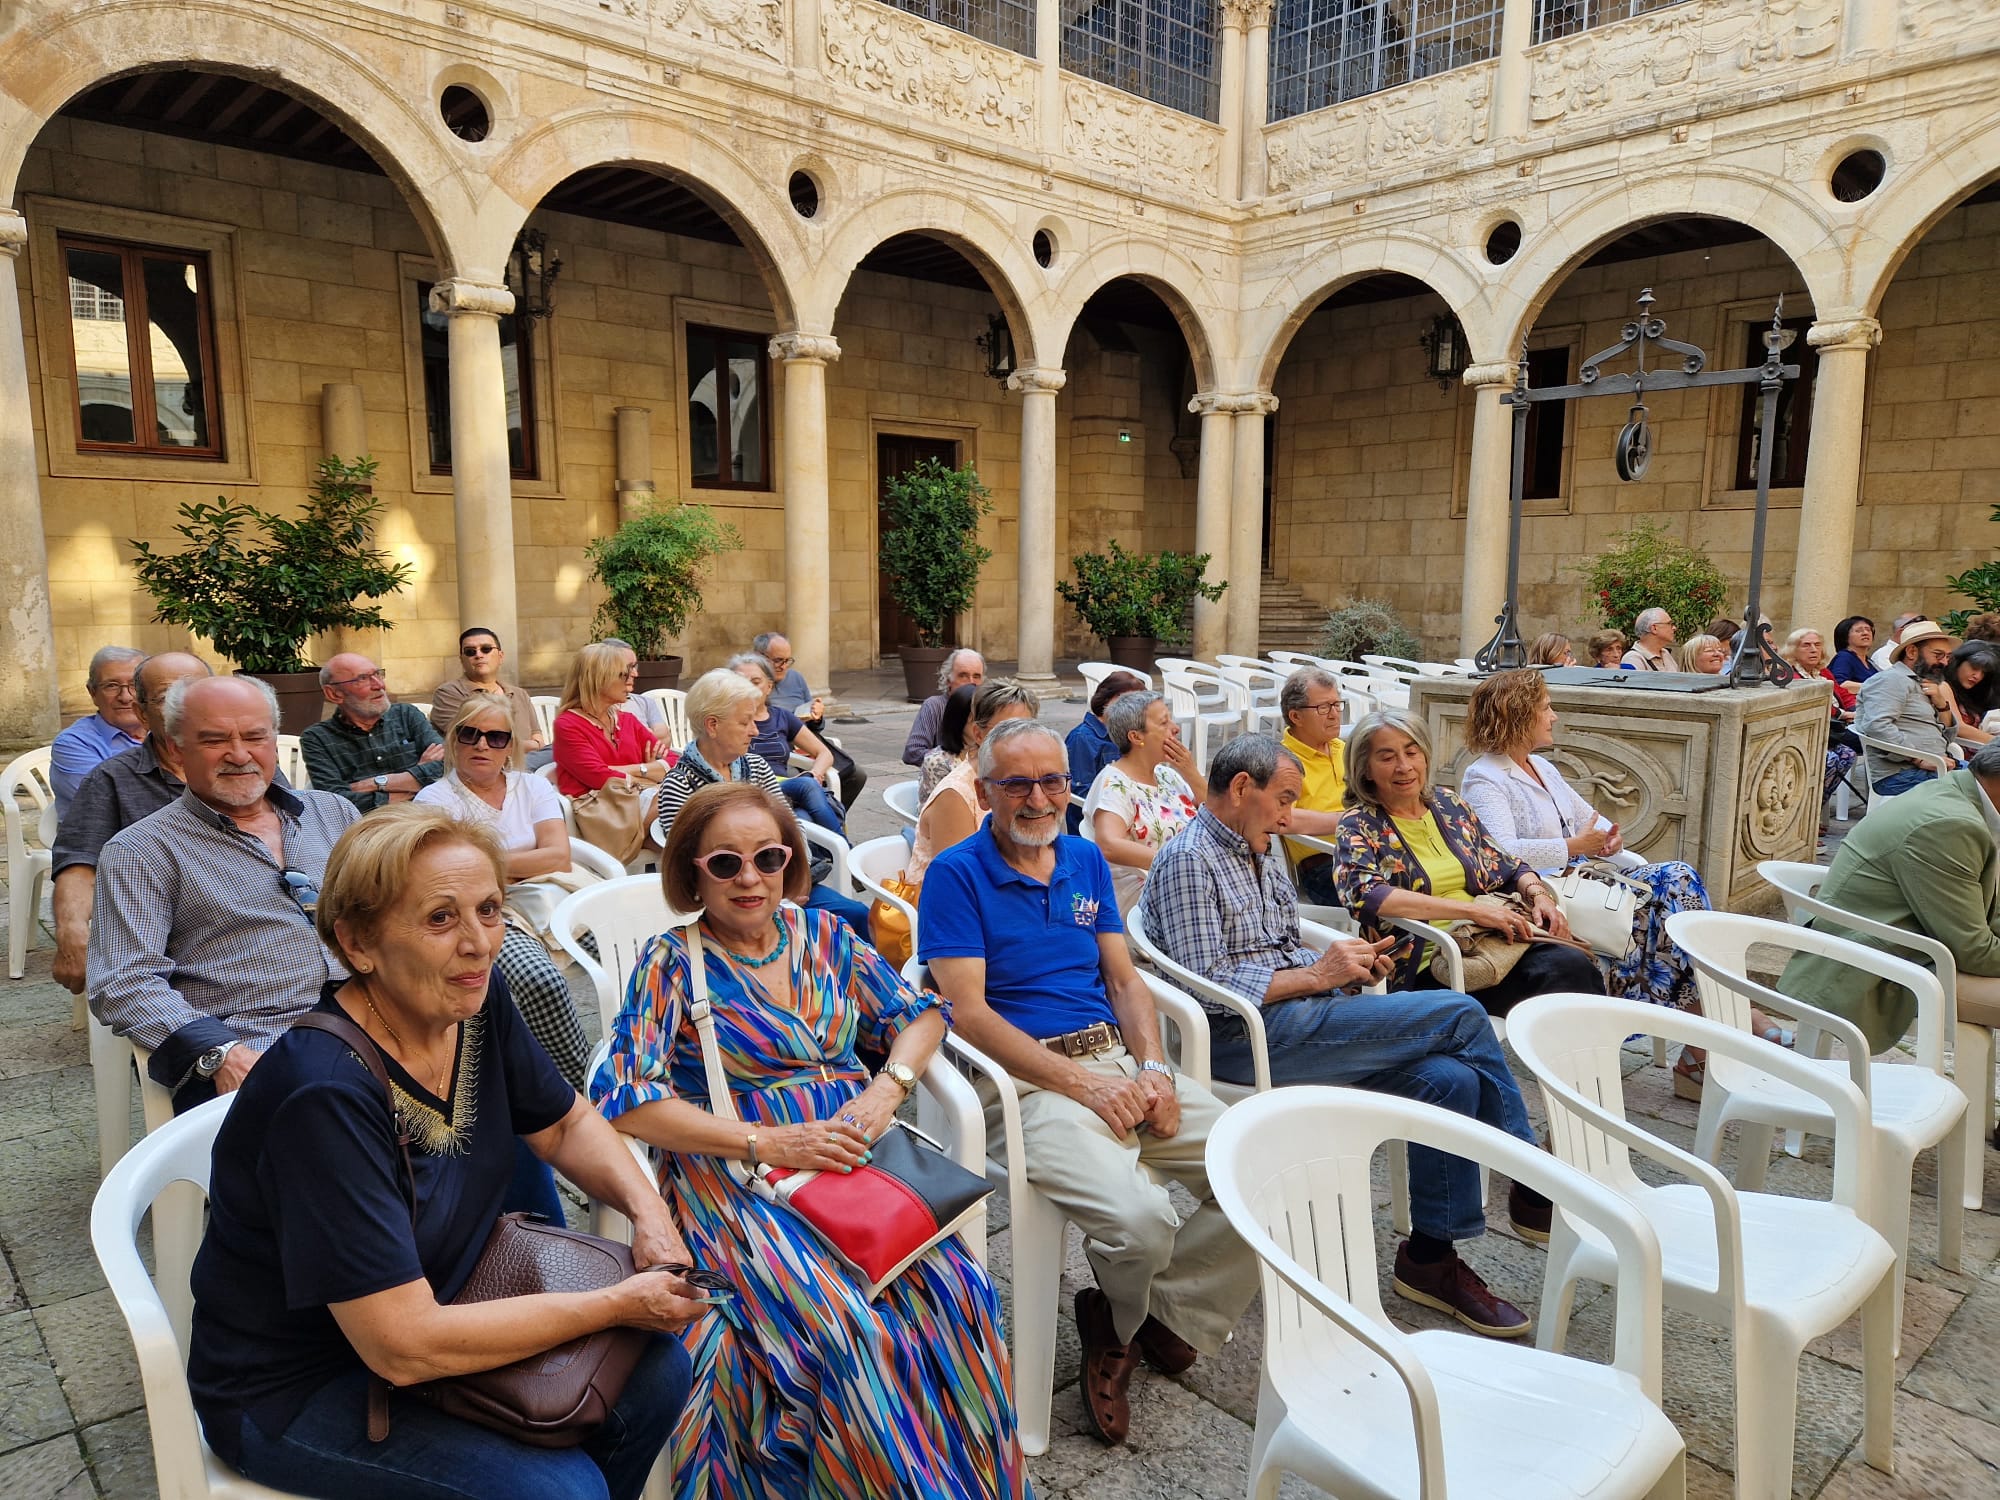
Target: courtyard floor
[[73, 1424]]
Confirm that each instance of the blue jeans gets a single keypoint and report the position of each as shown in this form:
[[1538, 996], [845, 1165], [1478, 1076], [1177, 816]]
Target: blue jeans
[[1898, 782], [1433, 1045], [326, 1454], [814, 805], [853, 913]]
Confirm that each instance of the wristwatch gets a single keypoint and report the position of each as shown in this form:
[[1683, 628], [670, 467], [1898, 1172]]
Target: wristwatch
[[1152, 1065], [210, 1062], [382, 782], [903, 1076]]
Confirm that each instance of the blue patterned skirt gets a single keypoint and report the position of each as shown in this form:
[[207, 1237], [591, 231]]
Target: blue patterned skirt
[[1656, 971]]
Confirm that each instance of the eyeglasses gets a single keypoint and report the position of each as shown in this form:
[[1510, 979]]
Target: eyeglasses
[[780, 662], [302, 888], [477, 650], [727, 864], [716, 1285], [1020, 788], [116, 689], [377, 675], [496, 739], [630, 672], [1326, 710]]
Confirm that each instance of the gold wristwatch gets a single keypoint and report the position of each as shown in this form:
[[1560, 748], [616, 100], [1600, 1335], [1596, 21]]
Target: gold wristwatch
[[903, 1076]]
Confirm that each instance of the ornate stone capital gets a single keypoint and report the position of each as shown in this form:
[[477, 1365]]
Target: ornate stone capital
[[1243, 14], [13, 232], [805, 348], [1232, 403], [481, 298], [1845, 333], [1505, 372], [1037, 378]]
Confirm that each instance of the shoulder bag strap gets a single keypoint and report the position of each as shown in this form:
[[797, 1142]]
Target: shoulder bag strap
[[363, 1046], [721, 1102]]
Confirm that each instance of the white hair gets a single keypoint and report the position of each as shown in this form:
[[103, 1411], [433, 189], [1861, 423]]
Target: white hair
[[1649, 619], [110, 656], [950, 665], [715, 693], [1014, 729], [173, 706]]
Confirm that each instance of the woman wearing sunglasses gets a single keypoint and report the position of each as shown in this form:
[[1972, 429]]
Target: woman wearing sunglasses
[[485, 784], [803, 1385]]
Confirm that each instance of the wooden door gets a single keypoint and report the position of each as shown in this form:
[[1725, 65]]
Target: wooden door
[[897, 453]]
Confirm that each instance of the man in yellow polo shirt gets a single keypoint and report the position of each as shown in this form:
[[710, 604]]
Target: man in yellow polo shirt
[[1310, 704]]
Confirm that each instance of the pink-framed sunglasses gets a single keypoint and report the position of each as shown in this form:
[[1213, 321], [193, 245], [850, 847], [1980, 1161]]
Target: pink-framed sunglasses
[[727, 864]]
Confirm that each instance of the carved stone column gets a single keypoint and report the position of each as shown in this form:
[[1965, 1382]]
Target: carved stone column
[[1513, 76], [1048, 59], [1256, 93], [1825, 563], [1246, 521], [1036, 653], [1211, 516], [1488, 487], [1229, 97], [28, 700], [482, 492], [808, 531]]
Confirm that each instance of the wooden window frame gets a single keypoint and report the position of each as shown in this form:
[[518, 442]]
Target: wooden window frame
[[139, 345], [529, 470], [716, 337]]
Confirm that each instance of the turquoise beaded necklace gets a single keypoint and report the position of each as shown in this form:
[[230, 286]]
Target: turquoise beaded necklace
[[784, 942]]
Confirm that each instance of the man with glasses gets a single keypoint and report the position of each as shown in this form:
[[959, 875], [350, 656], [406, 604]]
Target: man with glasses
[[793, 694], [202, 948], [480, 656], [116, 727], [963, 668], [370, 751], [1310, 704], [1019, 924]]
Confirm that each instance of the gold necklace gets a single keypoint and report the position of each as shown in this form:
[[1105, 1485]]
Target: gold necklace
[[444, 1073]]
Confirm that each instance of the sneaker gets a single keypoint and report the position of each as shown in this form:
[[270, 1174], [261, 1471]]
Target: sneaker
[[1529, 1213], [1451, 1286]]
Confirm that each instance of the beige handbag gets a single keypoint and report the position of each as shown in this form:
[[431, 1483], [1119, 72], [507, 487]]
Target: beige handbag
[[1600, 904], [614, 818]]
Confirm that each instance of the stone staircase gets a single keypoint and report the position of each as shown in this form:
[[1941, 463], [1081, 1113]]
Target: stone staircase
[[1287, 619]]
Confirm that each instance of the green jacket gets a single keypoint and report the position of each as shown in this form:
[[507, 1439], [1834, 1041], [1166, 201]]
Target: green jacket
[[1925, 861]]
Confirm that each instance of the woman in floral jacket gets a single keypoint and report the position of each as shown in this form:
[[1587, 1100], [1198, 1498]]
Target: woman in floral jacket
[[1409, 849]]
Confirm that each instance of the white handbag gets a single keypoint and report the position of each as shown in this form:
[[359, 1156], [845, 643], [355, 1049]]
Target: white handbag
[[1599, 904]]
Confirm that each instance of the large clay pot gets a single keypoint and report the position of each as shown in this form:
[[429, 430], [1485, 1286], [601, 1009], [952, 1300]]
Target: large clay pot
[[301, 703], [920, 669], [657, 672], [1135, 651]]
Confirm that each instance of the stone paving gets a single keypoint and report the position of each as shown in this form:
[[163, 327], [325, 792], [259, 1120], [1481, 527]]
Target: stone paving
[[73, 1425]]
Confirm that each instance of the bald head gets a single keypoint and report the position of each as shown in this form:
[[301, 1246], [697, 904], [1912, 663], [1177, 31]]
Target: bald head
[[156, 675], [355, 686]]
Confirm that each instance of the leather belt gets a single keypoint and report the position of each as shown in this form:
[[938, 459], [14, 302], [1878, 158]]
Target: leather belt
[[1088, 1042]]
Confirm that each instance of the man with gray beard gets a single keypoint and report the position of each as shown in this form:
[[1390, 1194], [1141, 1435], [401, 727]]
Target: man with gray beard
[[202, 947]]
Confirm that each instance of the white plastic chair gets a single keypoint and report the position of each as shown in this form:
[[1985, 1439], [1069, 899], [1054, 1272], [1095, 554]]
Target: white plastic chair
[[672, 703], [835, 847], [1972, 1041], [292, 761], [176, 1153], [1094, 672], [545, 716], [879, 860], [1262, 683], [901, 799], [622, 915], [588, 857], [1776, 1272], [1880, 758], [422, 708], [1364, 1411], [1912, 1108], [1198, 705], [26, 776]]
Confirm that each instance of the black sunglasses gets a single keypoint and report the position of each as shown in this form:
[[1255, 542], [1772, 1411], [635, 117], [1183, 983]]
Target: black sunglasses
[[477, 650], [301, 888], [713, 1284], [496, 739]]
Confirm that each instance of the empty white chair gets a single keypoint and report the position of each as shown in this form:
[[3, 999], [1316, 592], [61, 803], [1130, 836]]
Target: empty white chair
[[1912, 1108], [1394, 663], [1094, 672], [26, 777], [1349, 1402], [545, 716], [623, 915], [1199, 705], [672, 703], [176, 1153], [901, 799], [1775, 1272], [292, 761]]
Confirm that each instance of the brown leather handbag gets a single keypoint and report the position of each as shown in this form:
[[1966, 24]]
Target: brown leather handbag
[[555, 1399]]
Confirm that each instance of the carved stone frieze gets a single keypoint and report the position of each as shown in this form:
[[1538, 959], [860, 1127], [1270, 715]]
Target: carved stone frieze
[[1382, 132], [1927, 20], [880, 50], [751, 25], [1681, 50], [1120, 132]]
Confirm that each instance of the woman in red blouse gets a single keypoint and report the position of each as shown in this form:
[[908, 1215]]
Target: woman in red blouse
[[595, 739]]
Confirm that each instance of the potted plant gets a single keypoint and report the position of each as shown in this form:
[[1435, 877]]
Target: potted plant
[[258, 603], [1366, 627], [1133, 601], [932, 555], [1645, 567], [651, 571]]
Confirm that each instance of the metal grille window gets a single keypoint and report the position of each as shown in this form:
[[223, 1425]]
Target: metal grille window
[[1162, 50], [1325, 51], [1561, 18], [1004, 23]]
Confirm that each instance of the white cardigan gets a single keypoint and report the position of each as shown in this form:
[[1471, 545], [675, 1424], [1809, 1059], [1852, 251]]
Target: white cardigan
[[1533, 823]]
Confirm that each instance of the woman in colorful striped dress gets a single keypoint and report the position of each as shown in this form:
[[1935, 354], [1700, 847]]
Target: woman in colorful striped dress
[[804, 1389]]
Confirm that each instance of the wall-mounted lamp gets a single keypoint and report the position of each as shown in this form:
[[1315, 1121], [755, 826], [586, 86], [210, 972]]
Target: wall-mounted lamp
[[1444, 350], [531, 274], [997, 344]]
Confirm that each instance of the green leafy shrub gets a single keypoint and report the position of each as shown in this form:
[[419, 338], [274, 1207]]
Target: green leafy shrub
[[931, 549], [1136, 593], [1645, 568], [651, 570], [259, 603], [1367, 627], [1981, 585]]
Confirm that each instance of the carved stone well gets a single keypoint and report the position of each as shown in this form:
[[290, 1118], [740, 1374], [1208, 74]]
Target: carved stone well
[[1721, 779]]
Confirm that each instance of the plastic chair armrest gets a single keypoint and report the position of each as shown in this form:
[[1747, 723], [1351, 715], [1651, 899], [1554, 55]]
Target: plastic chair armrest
[[834, 845], [1944, 966], [1425, 932], [1190, 1022], [958, 1106], [594, 859], [563, 924], [1009, 1099]]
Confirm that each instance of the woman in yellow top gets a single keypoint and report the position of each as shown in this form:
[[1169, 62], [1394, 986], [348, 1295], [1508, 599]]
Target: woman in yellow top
[[1410, 849], [1310, 704]]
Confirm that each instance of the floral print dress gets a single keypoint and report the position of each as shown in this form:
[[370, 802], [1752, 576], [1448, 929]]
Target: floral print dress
[[1153, 814]]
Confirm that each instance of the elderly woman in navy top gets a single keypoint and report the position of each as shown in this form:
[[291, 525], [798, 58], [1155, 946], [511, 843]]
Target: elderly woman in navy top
[[312, 1282]]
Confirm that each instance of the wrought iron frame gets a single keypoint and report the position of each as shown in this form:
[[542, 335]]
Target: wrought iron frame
[[1755, 660]]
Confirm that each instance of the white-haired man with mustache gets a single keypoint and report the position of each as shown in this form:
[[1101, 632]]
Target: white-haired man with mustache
[[202, 947]]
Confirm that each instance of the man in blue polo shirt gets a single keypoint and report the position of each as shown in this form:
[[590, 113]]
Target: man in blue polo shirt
[[1020, 927]]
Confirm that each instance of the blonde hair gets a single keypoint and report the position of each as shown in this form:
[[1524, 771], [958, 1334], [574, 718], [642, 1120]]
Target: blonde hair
[[473, 709], [596, 667], [1504, 711], [369, 869], [716, 692], [1694, 645], [1361, 788]]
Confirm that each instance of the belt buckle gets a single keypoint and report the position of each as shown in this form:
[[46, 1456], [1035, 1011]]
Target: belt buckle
[[1104, 1038]]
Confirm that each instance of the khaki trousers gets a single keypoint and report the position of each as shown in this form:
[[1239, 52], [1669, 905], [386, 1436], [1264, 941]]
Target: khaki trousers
[[1195, 1275]]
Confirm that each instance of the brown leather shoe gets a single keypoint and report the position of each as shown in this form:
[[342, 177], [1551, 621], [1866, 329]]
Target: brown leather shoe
[[1165, 1350], [1107, 1367], [1451, 1286], [1530, 1213]]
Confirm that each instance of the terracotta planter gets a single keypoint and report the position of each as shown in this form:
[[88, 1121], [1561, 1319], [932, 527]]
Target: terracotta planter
[[1135, 651], [657, 672], [301, 704], [920, 669]]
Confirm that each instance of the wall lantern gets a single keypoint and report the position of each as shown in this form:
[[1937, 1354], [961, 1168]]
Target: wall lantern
[[1444, 350], [997, 345], [531, 274]]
